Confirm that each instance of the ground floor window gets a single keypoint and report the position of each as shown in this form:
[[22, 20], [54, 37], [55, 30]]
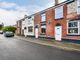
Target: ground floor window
[[30, 29], [73, 27], [43, 30]]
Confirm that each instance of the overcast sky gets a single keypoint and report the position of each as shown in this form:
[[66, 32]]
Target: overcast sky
[[13, 10]]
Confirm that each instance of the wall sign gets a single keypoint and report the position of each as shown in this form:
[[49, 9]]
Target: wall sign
[[78, 6]]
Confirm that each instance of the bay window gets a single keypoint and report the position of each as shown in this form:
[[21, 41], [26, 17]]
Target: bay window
[[73, 27], [59, 12]]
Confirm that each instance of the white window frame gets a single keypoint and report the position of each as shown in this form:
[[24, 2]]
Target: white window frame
[[43, 17], [59, 12], [73, 27], [29, 30], [44, 26], [30, 21]]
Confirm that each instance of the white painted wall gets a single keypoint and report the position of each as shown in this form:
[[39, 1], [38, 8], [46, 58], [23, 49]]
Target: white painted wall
[[29, 22]]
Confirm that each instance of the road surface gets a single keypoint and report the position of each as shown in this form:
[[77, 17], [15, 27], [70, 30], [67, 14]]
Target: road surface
[[14, 49]]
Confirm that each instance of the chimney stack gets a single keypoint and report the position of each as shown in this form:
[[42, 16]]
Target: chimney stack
[[56, 2]]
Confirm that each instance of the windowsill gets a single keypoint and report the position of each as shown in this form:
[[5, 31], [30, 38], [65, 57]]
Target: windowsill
[[43, 22], [59, 18], [30, 32], [43, 34], [73, 34]]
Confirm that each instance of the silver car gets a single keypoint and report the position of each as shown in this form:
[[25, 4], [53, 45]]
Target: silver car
[[8, 34]]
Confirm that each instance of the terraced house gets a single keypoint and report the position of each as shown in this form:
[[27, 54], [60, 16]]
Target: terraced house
[[18, 25], [61, 21], [28, 26], [73, 20]]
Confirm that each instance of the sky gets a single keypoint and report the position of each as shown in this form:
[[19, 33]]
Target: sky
[[13, 10]]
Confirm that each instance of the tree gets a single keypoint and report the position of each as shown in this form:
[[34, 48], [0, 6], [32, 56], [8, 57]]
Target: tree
[[9, 28], [1, 26]]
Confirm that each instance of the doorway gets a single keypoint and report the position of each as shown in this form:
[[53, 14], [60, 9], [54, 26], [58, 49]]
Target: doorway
[[58, 32]]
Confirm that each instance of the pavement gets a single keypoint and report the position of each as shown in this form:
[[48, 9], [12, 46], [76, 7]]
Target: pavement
[[12, 48], [50, 42]]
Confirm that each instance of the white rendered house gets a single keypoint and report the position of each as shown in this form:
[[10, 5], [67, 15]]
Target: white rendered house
[[29, 26]]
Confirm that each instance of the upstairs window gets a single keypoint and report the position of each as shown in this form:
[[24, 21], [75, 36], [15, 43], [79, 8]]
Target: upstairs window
[[43, 17], [30, 20], [59, 12]]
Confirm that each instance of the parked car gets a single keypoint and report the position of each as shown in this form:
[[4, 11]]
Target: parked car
[[8, 34], [1, 32]]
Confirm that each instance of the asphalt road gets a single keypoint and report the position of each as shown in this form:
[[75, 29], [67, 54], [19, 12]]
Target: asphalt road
[[14, 49]]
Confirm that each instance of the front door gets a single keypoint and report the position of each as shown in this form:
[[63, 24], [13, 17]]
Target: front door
[[36, 33], [25, 32], [58, 33]]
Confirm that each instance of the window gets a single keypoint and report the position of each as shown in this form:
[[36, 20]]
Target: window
[[73, 27], [59, 12], [43, 17], [29, 21], [43, 30], [30, 29]]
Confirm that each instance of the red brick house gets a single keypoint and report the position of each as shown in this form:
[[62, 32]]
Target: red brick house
[[61, 21], [18, 26]]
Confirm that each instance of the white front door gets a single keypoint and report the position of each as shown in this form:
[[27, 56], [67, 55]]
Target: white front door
[[58, 33], [25, 32], [36, 33]]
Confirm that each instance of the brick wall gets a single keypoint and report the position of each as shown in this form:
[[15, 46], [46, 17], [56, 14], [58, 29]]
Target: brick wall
[[18, 25], [51, 22]]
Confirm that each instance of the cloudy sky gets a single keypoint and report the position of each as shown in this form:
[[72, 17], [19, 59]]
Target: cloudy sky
[[13, 10]]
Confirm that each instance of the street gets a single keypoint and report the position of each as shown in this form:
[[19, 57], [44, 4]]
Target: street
[[14, 49]]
